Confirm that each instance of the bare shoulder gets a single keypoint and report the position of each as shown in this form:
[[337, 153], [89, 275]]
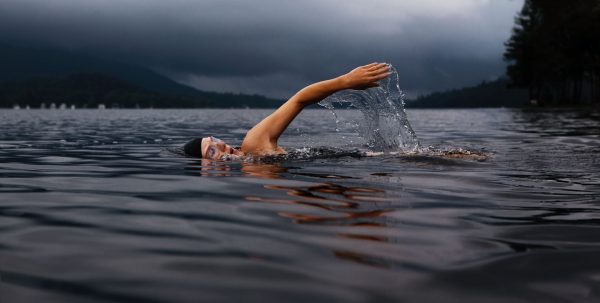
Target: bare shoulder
[[257, 143]]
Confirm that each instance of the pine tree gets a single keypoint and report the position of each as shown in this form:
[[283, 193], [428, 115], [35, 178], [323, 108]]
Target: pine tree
[[554, 51]]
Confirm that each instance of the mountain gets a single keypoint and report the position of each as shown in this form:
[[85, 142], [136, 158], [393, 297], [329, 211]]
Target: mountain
[[19, 63], [486, 94], [30, 73]]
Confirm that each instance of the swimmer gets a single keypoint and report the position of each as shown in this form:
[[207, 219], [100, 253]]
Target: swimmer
[[262, 138]]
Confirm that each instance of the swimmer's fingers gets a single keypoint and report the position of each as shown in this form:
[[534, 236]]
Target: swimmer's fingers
[[379, 70], [370, 65], [378, 66], [376, 78], [380, 76]]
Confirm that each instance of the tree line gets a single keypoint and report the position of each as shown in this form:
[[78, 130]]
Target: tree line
[[554, 52], [486, 94]]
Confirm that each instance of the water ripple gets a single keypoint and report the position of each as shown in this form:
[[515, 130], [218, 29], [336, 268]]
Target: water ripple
[[98, 206]]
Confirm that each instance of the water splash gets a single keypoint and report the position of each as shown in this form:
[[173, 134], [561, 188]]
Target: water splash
[[384, 126]]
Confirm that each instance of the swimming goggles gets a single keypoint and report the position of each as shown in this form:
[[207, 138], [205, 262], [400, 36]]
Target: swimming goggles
[[211, 150]]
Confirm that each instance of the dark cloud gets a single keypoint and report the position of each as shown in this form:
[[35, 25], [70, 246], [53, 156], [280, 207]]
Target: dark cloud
[[274, 47]]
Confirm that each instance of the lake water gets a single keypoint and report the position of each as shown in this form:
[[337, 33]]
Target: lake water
[[95, 206]]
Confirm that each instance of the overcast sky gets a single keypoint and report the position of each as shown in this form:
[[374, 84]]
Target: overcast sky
[[274, 47]]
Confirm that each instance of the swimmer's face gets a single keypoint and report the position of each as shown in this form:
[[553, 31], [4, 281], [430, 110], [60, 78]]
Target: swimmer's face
[[214, 149]]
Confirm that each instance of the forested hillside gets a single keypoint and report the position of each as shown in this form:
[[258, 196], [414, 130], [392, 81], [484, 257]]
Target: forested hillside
[[487, 94], [34, 76]]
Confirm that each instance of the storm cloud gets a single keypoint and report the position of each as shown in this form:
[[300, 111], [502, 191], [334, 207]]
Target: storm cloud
[[274, 47]]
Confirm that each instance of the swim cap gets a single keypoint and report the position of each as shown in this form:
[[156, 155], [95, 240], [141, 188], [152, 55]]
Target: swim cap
[[193, 148]]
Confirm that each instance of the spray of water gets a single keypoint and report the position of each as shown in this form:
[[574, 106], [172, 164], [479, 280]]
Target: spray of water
[[384, 124]]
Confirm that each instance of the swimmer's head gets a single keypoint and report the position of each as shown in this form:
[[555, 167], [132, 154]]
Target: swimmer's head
[[210, 148]]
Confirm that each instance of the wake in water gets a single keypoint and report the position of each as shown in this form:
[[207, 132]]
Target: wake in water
[[384, 126], [313, 153]]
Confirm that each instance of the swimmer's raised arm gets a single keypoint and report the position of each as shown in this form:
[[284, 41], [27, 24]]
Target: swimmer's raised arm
[[262, 138]]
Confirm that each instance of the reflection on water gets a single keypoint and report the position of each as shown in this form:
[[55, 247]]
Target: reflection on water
[[94, 207], [343, 206], [331, 204]]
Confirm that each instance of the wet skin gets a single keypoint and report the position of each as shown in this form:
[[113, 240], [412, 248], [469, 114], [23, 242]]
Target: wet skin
[[215, 149]]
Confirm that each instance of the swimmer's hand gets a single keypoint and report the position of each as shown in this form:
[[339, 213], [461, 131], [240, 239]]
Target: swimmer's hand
[[365, 76]]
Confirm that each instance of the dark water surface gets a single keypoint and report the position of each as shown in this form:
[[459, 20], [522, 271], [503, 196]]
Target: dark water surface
[[95, 208]]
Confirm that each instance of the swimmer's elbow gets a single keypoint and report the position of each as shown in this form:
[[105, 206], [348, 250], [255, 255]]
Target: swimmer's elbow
[[301, 99]]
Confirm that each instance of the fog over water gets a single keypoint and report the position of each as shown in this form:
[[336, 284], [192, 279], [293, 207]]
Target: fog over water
[[275, 47]]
